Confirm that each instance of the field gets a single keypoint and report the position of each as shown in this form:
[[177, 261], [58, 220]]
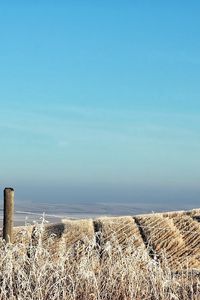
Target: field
[[155, 256]]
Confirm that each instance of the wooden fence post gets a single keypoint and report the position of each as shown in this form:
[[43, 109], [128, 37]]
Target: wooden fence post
[[8, 215]]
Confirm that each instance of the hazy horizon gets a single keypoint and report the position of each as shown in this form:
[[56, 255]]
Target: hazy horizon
[[87, 201]]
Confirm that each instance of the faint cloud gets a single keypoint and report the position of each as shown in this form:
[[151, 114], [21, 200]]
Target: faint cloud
[[63, 144]]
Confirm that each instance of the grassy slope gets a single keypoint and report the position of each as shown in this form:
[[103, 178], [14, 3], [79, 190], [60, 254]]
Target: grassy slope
[[144, 257]]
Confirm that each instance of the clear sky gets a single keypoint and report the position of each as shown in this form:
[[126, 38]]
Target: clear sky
[[100, 94]]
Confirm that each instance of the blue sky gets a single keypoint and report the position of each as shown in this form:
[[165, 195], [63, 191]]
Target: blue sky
[[100, 94]]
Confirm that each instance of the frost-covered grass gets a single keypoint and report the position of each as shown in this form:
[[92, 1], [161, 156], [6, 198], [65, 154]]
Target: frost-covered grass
[[36, 270]]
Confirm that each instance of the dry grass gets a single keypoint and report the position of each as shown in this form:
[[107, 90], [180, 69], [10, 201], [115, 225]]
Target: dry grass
[[190, 231], [86, 265], [162, 235], [120, 230]]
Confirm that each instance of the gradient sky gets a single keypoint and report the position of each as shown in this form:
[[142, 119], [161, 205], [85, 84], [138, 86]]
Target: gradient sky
[[100, 94]]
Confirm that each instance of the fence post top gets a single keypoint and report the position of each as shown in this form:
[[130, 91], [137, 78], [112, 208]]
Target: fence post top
[[9, 188]]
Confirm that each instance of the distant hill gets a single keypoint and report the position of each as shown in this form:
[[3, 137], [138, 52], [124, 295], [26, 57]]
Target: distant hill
[[175, 233]]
